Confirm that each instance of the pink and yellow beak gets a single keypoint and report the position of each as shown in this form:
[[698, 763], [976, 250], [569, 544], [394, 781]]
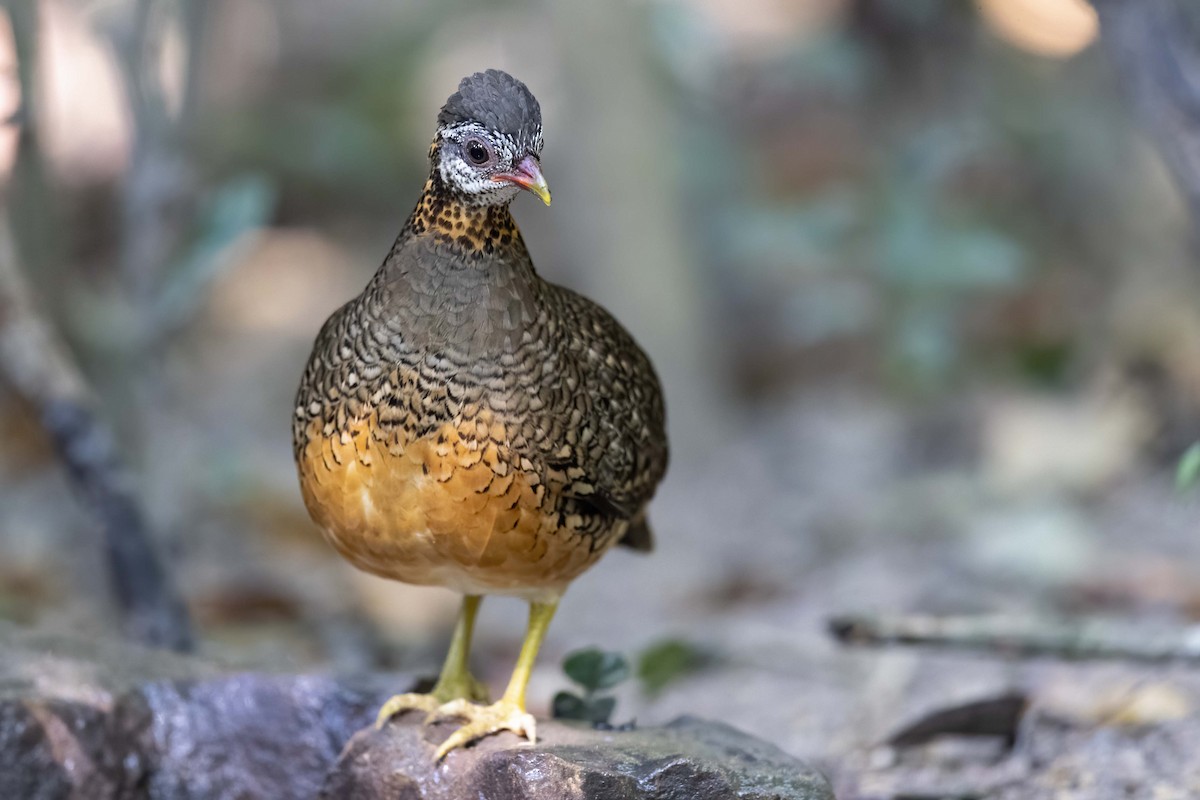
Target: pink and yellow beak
[[528, 175]]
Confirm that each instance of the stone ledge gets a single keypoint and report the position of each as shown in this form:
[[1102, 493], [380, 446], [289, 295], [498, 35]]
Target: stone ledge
[[81, 719], [688, 759]]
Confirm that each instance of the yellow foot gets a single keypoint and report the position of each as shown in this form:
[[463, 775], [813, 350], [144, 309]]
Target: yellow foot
[[400, 703], [483, 721], [462, 689]]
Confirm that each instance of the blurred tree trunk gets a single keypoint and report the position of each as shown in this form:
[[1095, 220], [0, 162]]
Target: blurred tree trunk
[[632, 233], [39, 366], [36, 363], [160, 204]]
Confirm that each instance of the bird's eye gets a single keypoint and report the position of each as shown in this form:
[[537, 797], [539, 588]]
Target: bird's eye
[[478, 152]]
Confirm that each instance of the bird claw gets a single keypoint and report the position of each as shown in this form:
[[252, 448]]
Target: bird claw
[[482, 721], [455, 709], [400, 703], [458, 688]]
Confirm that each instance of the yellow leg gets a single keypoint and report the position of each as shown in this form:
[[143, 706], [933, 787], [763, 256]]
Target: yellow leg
[[455, 681], [508, 714]]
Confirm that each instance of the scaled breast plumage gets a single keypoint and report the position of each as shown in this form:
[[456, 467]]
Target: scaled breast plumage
[[465, 423]]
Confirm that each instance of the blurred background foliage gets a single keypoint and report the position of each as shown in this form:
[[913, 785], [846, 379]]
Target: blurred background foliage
[[942, 189], [846, 218]]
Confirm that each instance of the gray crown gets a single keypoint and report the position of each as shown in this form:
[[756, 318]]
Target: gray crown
[[497, 101]]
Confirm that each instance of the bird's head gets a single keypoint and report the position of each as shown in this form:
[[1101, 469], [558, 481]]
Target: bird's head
[[488, 141]]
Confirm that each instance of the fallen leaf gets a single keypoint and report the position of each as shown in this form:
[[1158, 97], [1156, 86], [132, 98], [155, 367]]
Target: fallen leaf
[[995, 716]]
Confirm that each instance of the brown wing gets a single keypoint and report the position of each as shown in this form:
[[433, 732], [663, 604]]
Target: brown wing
[[614, 470]]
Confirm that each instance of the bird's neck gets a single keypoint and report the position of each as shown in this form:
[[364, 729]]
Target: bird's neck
[[473, 231], [458, 277]]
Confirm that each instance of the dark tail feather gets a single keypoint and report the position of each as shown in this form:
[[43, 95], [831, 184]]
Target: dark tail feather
[[638, 537]]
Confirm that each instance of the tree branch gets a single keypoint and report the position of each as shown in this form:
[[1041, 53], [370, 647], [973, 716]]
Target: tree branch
[[36, 363], [1072, 640]]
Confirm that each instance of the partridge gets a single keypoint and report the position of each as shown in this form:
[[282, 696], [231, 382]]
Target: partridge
[[464, 423]]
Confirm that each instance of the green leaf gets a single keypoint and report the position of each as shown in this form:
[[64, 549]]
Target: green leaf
[[594, 669], [592, 709], [600, 709], [1188, 472], [569, 706], [665, 662]]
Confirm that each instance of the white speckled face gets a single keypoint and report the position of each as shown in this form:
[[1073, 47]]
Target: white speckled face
[[470, 157]]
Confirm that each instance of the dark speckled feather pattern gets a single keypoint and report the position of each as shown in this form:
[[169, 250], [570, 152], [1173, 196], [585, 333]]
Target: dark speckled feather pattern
[[457, 333]]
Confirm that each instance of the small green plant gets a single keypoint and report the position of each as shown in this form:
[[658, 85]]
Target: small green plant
[[593, 670], [1187, 474], [666, 661]]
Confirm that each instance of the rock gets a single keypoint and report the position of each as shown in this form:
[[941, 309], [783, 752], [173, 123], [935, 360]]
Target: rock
[[59, 710], [110, 721], [248, 735], [689, 759], [41, 758]]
